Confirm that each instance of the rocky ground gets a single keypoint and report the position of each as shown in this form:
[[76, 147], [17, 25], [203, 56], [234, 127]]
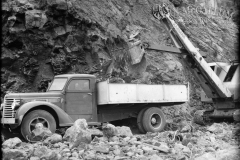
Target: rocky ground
[[217, 141]]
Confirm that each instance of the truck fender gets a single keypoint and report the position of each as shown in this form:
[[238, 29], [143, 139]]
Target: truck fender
[[63, 117]]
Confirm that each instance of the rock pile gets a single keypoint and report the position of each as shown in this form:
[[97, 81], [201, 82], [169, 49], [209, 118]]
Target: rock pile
[[215, 142]]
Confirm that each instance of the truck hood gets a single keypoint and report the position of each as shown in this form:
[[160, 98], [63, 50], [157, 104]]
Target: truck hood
[[34, 96]]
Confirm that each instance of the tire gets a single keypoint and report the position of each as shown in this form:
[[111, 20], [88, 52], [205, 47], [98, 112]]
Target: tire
[[32, 117], [153, 114], [139, 120]]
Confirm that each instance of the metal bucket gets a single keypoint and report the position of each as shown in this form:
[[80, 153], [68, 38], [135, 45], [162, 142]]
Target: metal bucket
[[136, 53]]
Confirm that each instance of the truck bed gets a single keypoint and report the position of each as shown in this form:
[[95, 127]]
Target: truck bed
[[115, 93]]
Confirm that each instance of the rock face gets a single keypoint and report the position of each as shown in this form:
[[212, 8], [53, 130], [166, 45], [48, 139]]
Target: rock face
[[46, 38]]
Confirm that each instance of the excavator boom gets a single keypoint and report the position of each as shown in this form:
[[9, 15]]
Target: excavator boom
[[209, 81], [213, 83]]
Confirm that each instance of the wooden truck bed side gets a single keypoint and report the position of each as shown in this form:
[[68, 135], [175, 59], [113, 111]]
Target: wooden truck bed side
[[115, 93]]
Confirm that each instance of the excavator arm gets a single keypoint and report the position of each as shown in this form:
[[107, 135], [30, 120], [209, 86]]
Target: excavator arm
[[224, 101], [209, 81]]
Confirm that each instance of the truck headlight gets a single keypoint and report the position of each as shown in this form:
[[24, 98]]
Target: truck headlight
[[2, 105], [15, 105]]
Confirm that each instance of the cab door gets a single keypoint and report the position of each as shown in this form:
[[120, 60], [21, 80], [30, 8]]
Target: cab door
[[79, 99]]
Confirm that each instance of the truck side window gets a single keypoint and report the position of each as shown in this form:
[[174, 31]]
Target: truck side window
[[79, 85], [230, 73]]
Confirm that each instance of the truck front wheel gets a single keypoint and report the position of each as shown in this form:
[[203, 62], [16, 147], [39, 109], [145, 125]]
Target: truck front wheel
[[153, 120], [34, 117]]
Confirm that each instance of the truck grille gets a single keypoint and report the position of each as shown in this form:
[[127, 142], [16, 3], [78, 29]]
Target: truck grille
[[8, 112]]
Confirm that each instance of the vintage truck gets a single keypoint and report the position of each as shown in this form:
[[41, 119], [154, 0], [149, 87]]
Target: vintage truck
[[73, 96]]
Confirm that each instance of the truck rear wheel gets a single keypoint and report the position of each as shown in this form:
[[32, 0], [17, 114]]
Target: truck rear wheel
[[153, 120], [34, 117], [140, 122]]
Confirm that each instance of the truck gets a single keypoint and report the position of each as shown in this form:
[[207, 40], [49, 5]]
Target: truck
[[219, 80], [73, 96]]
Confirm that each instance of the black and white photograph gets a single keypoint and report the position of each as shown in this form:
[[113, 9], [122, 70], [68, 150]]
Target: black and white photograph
[[120, 80]]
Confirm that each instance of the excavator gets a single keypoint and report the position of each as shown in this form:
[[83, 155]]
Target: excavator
[[219, 81]]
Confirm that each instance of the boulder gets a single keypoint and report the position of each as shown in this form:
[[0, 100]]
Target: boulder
[[173, 65], [155, 157], [89, 155], [146, 149], [9, 154], [117, 152], [51, 155], [139, 151], [59, 4], [40, 133], [230, 153], [21, 2], [186, 128], [40, 151], [96, 132], [35, 18], [44, 153], [8, 56], [27, 147], [215, 128], [101, 149], [78, 133], [130, 154], [181, 148], [11, 143], [208, 156], [110, 130], [34, 158], [11, 21], [60, 30], [65, 152], [124, 131], [55, 138], [75, 154], [163, 147]]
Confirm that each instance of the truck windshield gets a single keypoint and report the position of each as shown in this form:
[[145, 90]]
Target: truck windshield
[[58, 84]]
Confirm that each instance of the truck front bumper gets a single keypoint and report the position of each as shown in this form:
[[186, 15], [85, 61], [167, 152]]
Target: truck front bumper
[[9, 123], [8, 120]]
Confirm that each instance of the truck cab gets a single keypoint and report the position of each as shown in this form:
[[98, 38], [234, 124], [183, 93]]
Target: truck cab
[[77, 90], [68, 98]]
